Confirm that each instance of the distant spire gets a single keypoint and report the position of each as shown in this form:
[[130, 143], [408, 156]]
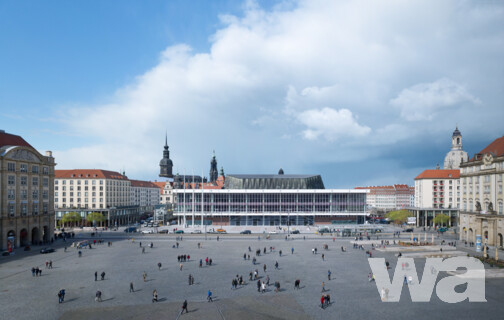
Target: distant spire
[[437, 166], [222, 171]]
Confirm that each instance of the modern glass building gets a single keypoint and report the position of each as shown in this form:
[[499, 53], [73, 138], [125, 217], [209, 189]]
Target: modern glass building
[[270, 207]]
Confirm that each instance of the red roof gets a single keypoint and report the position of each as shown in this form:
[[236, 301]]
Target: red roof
[[7, 139], [88, 174], [439, 174], [143, 184], [159, 184], [496, 148]]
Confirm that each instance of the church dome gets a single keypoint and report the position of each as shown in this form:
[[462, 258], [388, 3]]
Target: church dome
[[280, 172], [165, 162], [456, 132]]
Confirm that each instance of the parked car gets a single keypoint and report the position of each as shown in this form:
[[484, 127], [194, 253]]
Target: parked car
[[409, 230], [324, 230], [147, 231], [46, 250], [246, 232], [443, 229], [196, 231], [5, 253], [164, 231], [155, 225], [221, 231], [179, 231], [273, 232], [295, 232], [130, 229]]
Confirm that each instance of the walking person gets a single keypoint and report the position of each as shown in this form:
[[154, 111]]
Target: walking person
[[98, 296], [258, 285], [184, 307], [209, 296], [96, 276], [264, 268], [276, 265], [103, 275], [154, 296], [144, 275], [159, 266], [323, 286], [329, 275], [61, 295], [296, 284], [131, 287], [322, 300]]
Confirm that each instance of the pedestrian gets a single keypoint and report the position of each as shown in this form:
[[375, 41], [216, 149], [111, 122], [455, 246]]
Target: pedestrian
[[180, 267], [98, 296], [103, 275], [143, 249], [296, 284], [61, 296], [50, 264], [131, 287], [184, 307], [264, 267], [258, 285], [201, 263], [154, 296], [263, 287], [323, 257], [292, 250], [329, 275], [144, 275], [280, 252], [276, 265], [323, 286], [47, 264], [190, 278], [96, 276], [159, 265], [322, 301], [140, 244], [209, 296], [267, 280]]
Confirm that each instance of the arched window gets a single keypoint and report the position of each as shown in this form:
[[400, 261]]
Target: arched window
[[458, 140]]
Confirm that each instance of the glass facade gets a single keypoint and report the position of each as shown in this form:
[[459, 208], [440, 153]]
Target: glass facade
[[271, 207]]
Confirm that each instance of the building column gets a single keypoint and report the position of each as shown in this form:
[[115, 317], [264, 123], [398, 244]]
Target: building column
[[433, 217]]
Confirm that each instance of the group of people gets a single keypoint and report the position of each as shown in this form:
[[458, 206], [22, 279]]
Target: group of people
[[48, 264], [36, 271], [238, 280], [96, 275], [183, 257], [325, 300]]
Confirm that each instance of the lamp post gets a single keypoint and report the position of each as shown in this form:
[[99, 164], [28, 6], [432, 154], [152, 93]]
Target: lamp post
[[288, 222]]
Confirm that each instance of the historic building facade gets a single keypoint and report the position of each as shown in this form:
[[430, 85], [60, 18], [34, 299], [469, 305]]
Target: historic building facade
[[26, 193], [392, 197], [482, 195]]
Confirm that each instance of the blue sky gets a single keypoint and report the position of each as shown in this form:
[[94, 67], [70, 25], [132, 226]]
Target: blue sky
[[361, 92]]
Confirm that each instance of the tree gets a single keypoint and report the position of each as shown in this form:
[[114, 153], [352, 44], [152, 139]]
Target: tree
[[399, 216], [441, 219], [71, 217], [95, 217]]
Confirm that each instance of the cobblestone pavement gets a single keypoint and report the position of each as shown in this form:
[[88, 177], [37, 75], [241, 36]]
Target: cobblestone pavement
[[352, 296]]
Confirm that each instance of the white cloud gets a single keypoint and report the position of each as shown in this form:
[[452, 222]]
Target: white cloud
[[347, 59], [422, 101], [331, 124]]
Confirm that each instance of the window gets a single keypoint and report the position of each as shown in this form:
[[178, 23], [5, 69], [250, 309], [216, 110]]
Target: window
[[487, 178], [35, 169], [78, 188], [45, 170], [71, 188], [23, 209], [11, 194], [71, 194], [45, 195], [101, 181], [500, 208], [35, 182], [85, 188], [64, 194], [85, 182], [78, 182], [11, 210], [94, 182], [64, 181], [24, 194], [71, 183], [24, 181], [500, 188], [35, 209], [55, 181], [11, 166], [11, 180], [44, 208], [23, 168], [35, 194]]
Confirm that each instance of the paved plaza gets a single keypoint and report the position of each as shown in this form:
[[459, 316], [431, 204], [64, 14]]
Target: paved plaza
[[352, 295]]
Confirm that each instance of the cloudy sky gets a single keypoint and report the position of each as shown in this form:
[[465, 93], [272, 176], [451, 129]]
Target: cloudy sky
[[361, 92]]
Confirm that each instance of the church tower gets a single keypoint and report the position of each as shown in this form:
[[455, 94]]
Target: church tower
[[213, 169], [166, 165], [456, 155]]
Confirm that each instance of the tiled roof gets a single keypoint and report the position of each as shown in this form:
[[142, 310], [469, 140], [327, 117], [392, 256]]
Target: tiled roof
[[7, 139], [143, 184], [496, 148], [439, 174], [159, 184], [88, 174]]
